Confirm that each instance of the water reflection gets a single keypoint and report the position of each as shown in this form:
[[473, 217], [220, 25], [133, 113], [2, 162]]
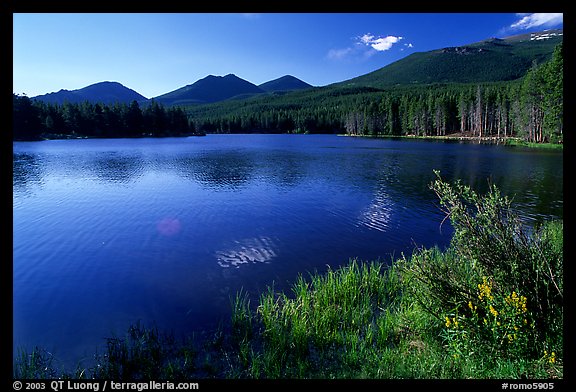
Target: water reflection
[[27, 170], [283, 168], [378, 214], [114, 168], [251, 250], [217, 170]]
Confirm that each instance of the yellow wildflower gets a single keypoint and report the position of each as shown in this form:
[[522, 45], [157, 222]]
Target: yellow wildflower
[[493, 311], [523, 306], [485, 289], [518, 302]]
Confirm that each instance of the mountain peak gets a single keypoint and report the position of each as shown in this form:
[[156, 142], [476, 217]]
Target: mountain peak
[[210, 89], [102, 92], [284, 83]]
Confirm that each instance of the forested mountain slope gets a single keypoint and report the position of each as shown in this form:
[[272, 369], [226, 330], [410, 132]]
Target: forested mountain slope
[[529, 106], [490, 60]]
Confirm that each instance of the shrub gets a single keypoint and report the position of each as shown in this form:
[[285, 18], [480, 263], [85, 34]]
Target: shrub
[[498, 289]]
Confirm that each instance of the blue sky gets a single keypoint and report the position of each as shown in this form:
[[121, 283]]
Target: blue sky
[[155, 53]]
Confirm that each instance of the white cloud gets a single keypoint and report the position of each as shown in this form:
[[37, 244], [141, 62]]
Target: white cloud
[[409, 46], [381, 43], [365, 47], [338, 54], [538, 19], [367, 38]]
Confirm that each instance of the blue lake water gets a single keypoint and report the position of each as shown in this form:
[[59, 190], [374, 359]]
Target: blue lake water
[[110, 232]]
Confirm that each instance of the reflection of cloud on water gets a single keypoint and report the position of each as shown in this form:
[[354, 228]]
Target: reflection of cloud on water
[[251, 250], [377, 215]]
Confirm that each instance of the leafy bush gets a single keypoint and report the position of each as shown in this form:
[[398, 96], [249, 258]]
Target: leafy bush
[[498, 289]]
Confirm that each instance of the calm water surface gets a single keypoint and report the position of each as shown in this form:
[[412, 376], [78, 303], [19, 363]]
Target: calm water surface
[[165, 231]]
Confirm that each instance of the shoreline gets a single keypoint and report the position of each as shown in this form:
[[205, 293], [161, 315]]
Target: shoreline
[[508, 140]]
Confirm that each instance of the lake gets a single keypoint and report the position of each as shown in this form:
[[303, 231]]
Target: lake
[[111, 232]]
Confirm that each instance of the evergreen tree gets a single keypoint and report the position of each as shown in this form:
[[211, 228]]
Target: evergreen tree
[[25, 119], [553, 95], [134, 120]]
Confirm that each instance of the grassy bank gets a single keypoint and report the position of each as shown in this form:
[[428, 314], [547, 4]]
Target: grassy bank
[[488, 306], [508, 141], [522, 143]]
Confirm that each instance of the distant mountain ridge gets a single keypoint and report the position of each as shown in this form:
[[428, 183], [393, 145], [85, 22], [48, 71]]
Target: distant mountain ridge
[[206, 90], [219, 88], [209, 89], [102, 92], [285, 83], [490, 60]]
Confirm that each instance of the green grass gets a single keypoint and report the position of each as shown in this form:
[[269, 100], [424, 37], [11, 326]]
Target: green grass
[[508, 141], [338, 316], [490, 306], [522, 143]]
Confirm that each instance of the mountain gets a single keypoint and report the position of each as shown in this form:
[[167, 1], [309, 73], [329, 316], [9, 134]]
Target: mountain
[[284, 83], [207, 90], [490, 60], [219, 88], [210, 89], [103, 92]]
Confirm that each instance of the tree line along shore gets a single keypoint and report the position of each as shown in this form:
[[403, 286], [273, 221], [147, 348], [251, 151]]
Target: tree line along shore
[[528, 109]]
